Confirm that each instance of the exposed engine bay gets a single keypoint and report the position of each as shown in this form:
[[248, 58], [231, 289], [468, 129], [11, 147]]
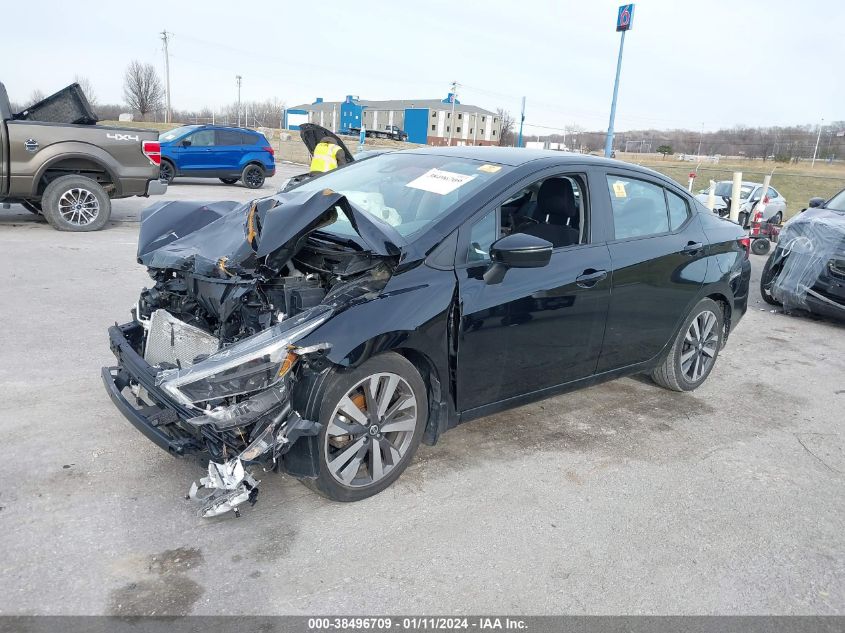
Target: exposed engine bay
[[235, 287]]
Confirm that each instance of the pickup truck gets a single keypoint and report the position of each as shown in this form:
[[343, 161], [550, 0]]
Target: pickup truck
[[56, 162], [390, 131]]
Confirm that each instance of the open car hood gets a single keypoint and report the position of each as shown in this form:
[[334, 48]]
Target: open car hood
[[224, 238], [311, 134]]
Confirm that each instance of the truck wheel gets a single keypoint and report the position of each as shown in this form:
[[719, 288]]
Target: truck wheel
[[253, 176], [761, 246], [32, 206], [373, 418], [166, 171], [76, 203]]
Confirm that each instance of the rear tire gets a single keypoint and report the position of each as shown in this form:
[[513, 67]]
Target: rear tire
[[767, 278], [166, 171], [777, 218], [695, 349], [406, 407], [76, 203], [229, 181], [253, 176]]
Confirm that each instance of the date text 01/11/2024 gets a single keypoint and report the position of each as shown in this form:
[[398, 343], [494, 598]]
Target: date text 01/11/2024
[[415, 623]]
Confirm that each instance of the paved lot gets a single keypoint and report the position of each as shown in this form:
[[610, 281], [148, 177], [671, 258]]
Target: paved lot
[[622, 498]]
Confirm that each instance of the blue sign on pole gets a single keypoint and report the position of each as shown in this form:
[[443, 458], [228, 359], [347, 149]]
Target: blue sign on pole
[[625, 18]]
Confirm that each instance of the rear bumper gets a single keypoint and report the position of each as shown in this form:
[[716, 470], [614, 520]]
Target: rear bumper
[[740, 287], [160, 422], [156, 188]]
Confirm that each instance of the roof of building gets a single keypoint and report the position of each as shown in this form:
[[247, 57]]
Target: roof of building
[[396, 104]]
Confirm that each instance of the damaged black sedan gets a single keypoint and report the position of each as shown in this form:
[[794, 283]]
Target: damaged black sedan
[[326, 331]]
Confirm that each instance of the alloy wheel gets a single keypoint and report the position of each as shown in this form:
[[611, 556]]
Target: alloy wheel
[[254, 177], [370, 430], [165, 171], [79, 206], [699, 349]]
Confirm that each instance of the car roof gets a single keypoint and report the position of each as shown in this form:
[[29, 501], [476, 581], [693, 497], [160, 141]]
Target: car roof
[[516, 156], [513, 156]]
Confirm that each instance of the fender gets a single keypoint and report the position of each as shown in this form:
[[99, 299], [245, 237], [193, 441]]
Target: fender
[[64, 150]]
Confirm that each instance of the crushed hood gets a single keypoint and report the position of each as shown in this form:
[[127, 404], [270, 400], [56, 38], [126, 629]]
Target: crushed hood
[[223, 238], [311, 134]]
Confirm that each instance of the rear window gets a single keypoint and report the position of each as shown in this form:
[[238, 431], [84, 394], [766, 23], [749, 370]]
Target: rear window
[[228, 137], [250, 139]]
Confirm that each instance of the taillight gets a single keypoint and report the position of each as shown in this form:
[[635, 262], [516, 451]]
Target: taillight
[[745, 242], [152, 150], [267, 148]]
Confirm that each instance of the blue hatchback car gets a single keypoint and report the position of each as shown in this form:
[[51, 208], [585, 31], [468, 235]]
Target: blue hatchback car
[[212, 151]]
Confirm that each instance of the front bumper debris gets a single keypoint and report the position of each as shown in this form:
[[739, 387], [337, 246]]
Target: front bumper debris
[[180, 430], [230, 485]]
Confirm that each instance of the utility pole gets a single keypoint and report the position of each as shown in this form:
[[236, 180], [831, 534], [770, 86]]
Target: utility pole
[[167, 117], [521, 121], [818, 138], [700, 138], [454, 97], [238, 79], [623, 23]]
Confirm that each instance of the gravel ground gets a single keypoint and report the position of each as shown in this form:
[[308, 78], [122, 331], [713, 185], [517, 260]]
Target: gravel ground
[[621, 498]]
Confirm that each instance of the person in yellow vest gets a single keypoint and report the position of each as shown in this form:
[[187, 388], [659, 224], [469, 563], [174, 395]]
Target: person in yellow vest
[[327, 156]]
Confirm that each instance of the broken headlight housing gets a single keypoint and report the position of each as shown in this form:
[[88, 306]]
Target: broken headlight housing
[[252, 365]]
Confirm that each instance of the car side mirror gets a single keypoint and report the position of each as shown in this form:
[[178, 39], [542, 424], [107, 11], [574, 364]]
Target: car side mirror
[[518, 250], [816, 203], [186, 143]]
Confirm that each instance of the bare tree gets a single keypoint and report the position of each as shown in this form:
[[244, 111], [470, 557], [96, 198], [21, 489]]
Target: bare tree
[[34, 97], [506, 135], [142, 88], [87, 89]]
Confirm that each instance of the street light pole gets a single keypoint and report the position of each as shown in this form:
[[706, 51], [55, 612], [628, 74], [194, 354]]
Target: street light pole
[[521, 121], [624, 20], [452, 116], [700, 138], [238, 78]]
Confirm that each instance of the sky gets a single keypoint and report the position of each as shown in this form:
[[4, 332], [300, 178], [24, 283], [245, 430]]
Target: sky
[[695, 65]]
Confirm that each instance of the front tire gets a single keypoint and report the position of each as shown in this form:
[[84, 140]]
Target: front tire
[[767, 279], [373, 418], [776, 219], [694, 352], [76, 203], [253, 176]]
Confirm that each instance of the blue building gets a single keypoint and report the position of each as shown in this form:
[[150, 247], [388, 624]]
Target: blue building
[[426, 121]]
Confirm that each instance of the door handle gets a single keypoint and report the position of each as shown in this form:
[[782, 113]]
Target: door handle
[[590, 277], [692, 248]]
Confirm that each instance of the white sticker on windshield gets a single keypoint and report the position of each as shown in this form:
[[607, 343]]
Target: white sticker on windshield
[[440, 182]]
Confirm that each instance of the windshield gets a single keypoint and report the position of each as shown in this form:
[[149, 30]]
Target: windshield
[[176, 133], [837, 202], [725, 188], [407, 191]]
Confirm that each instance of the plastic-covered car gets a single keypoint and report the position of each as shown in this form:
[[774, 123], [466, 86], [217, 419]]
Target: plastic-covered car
[[807, 269]]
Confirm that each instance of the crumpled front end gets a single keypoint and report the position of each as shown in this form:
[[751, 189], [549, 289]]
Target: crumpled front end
[[210, 362], [233, 405]]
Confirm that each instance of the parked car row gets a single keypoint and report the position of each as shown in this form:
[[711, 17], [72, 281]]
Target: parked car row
[[773, 205]]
